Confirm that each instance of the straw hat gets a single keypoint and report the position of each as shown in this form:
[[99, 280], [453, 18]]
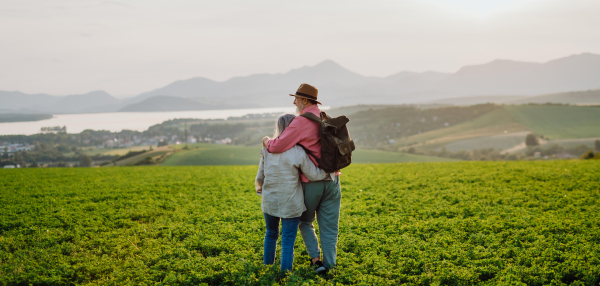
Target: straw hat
[[307, 91]]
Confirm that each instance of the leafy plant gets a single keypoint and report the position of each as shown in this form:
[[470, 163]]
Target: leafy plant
[[462, 223]]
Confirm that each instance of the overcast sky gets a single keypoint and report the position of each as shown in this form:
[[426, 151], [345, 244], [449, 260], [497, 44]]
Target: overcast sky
[[126, 47]]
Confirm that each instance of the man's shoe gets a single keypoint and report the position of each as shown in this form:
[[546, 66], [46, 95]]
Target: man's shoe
[[318, 267]]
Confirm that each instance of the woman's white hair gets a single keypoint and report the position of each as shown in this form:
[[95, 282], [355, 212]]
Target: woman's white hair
[[282, 123]]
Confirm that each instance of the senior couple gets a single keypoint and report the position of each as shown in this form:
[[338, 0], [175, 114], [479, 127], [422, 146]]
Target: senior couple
[[294, 190]]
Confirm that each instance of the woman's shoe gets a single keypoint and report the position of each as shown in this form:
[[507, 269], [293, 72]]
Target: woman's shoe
[[318, 267]]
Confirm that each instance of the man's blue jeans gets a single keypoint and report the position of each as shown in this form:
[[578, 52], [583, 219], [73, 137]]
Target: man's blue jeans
[[289, 230]]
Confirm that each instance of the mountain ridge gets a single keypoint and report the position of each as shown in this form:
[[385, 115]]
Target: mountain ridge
[[340, 86]]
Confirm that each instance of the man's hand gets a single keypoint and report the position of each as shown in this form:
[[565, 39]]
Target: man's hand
[[265, 140]]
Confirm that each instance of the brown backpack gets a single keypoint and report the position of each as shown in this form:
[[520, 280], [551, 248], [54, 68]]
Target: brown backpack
[[336, 145]]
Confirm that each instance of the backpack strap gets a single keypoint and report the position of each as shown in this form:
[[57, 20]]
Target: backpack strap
[[308, 152], [311, 117], [322, 121]]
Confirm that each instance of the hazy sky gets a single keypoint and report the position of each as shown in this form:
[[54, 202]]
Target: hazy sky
[[130, 46]]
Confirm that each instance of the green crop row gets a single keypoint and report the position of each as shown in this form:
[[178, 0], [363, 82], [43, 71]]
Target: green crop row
[[460, 223]]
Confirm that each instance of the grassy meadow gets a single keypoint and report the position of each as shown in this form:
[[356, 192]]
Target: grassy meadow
[[91, 151], [215, 154], [458, 223], [364, 156], [559, 122], [505, 127], [154, 154], [492, 123], [501, 141]]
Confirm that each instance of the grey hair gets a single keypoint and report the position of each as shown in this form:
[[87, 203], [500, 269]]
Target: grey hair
[[282, 123]]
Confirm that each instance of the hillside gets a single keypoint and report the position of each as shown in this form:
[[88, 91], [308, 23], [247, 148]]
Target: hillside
[[558, 122], [21, 117], [501, 141], [156, 154], [505, 77], [18, 101], [375, 129], [495, 122], [471, 100], [462, 223], [95, 101], [352, 109], [586, 97], [214, 154], [506, 127]]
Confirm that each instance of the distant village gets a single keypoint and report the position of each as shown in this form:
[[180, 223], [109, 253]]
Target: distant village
[[7, 150], [54, 147]]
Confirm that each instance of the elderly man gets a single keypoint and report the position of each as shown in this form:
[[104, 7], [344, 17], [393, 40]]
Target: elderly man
[[322, 197]]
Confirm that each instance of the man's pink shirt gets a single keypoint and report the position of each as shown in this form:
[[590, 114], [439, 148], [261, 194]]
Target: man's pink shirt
[[301, 130]]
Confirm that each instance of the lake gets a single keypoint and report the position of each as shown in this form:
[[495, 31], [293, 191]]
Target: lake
[[117, 121]]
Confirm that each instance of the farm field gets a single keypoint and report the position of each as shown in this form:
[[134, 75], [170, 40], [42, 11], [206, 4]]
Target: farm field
[[500, 141], [363, 156], [489, 124], [155, 153], [558, 122], [502, 128], [589, 142], [214, 154], [489, 223], [108, 151]]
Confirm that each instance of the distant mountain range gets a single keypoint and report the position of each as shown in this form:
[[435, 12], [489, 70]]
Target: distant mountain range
[[95, 101], [497, 81]]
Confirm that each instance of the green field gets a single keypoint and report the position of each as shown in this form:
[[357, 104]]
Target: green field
[[118, 151], [214, 154], [362, 156], [500, 141], [496, 128], [489, 124], [589, 142], [155, 153], [460, 223], [559, 122], [93, 151]]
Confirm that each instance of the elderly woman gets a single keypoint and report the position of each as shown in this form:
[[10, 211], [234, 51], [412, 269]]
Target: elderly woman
[[278, 180]]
